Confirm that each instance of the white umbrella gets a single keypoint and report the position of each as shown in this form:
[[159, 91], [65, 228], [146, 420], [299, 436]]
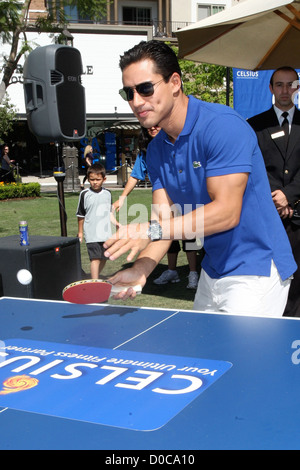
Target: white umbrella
[[253, 35]]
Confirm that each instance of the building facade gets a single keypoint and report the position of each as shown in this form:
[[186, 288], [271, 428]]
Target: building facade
[[111, 127]]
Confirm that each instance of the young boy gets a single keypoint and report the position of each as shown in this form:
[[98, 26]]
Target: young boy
[[94, 217]]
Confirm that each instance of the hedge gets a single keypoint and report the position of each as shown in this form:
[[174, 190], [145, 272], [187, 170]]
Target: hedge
[[17, 190]]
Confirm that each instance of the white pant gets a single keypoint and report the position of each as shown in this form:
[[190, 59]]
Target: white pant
[[243, 295]]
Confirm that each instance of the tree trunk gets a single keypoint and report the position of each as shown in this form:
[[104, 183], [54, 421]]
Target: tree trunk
[[2, 91], [14, 55]]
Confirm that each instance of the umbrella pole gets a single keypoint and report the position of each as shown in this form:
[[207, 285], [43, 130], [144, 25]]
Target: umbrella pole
[[227, 86]]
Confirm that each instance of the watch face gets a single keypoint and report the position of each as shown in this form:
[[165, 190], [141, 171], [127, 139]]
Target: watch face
[[155, 231]]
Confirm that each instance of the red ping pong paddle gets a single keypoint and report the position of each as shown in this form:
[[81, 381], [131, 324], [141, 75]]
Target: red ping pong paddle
[[92, 291]]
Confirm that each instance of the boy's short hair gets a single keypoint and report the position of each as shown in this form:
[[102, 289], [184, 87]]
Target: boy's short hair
[[97, 168]]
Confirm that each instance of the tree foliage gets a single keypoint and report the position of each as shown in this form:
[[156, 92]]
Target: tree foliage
[[9, 18], [95, 10], [205, 81], [8, 114], [14, 24]]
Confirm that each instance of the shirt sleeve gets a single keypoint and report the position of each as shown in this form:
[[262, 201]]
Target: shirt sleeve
[[140, 168], [80, 208], [229, 146]]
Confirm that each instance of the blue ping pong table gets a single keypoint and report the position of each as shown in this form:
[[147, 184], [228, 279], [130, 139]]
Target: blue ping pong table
[[127, 378]]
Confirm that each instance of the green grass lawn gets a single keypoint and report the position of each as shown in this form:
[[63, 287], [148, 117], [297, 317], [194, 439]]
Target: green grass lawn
[[42, 215]]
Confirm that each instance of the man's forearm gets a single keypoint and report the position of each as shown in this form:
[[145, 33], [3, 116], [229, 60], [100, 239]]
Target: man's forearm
[[149, 258], [130, 185]]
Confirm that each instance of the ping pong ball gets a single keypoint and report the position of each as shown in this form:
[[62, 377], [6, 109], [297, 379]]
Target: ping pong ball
[[24, 277]]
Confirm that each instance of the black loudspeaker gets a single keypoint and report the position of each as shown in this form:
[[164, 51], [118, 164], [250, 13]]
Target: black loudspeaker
[[53, 262], [54, 95]]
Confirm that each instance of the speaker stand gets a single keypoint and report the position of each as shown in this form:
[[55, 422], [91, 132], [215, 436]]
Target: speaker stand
[[59, 175], [40, 160]]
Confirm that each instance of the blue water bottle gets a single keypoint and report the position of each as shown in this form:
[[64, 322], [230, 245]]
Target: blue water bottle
[[23, 228]]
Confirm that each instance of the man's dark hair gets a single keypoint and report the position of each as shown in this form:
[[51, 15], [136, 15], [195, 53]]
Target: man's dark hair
[[283, 69], [164, 58]]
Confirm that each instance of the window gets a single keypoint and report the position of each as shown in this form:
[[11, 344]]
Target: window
[[71, 12], [216, 9], [73, 15], [135, 15], [207, 10]]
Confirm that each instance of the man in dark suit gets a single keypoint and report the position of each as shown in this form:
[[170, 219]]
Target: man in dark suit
[[278, 133]]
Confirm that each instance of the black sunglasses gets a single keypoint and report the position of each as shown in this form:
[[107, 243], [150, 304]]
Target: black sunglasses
[[144, 89]]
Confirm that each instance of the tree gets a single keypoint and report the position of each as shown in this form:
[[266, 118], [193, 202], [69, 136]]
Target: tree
[[8, 114], [205, 81], [14, 24]]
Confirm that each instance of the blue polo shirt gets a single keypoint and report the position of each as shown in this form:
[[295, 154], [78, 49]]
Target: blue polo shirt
[[217, 141], [139, 170]]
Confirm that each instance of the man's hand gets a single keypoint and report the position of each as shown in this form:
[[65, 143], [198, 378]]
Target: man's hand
[[118, 204], [279, 199], [132, 238], [282, 204], [286, 212], [136, 275]]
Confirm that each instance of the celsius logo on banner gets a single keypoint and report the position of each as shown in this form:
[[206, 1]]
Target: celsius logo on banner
[[247, 74], [121, 388]]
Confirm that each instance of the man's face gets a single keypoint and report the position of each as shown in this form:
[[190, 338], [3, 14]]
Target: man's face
[[151, 110], [285, 84]]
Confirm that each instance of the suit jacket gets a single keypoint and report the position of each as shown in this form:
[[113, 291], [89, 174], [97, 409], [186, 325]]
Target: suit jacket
[[282, 163]]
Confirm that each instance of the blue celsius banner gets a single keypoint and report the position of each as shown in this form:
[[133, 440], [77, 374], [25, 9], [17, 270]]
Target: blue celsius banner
[[125, 389], [111, 150], [251, 94]]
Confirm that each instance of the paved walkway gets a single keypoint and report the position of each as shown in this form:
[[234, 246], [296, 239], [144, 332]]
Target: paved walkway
[[49, 184]]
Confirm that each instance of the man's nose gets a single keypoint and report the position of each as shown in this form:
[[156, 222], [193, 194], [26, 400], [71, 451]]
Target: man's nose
[[137, 99], [286, 88]]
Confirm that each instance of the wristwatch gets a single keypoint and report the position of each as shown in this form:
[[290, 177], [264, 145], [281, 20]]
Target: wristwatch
[[154, 231]]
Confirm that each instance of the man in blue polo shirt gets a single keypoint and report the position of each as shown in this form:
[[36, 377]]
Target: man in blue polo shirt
[[205, 160]]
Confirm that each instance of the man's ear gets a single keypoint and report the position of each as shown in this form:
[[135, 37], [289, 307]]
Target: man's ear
[[271, 89], [176, 81]]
